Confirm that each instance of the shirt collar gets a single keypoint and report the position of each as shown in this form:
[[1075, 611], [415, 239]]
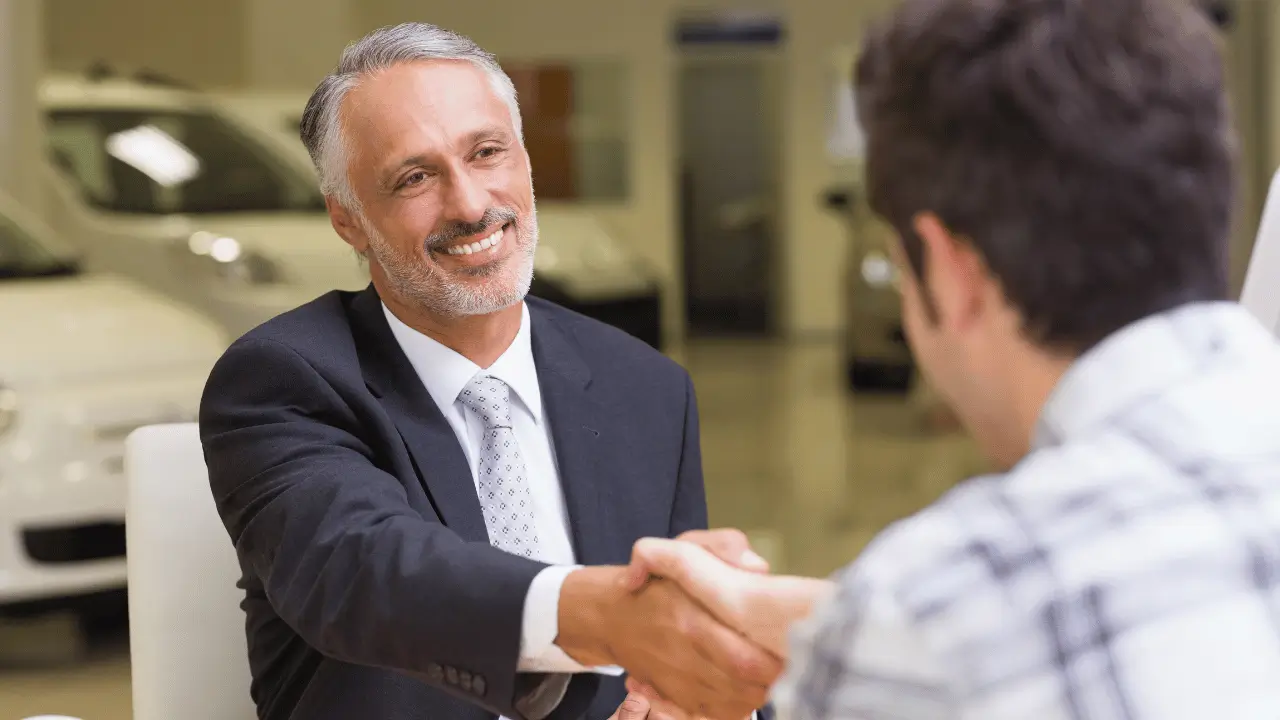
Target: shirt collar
[[1139, 362], [516, 368], [445, 372]]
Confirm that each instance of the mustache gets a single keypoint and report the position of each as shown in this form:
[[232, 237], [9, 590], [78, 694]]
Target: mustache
[[492, 218]]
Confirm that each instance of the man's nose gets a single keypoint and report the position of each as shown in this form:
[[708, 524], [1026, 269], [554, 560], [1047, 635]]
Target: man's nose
[[466, 200]]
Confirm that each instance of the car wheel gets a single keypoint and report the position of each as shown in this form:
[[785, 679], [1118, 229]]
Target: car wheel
[[880, 376]]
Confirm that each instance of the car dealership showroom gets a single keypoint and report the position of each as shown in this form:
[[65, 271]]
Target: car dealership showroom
[[157, 202]]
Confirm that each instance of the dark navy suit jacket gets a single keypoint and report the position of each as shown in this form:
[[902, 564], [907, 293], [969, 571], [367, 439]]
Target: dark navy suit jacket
[[370, 588]]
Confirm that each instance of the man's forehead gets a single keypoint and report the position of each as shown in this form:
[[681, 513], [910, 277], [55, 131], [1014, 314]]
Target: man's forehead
[[411, 113], [401, 93]]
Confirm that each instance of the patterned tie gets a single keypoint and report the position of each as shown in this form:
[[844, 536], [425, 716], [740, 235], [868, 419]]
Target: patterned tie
[[504, 489]]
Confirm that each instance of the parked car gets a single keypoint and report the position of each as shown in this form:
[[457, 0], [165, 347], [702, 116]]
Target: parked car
[[157, 183], [274, 113], [876, 352], [85, 359], [580, 264]]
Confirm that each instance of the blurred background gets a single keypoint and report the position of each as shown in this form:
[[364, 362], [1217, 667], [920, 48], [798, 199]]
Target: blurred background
[[697, 166]]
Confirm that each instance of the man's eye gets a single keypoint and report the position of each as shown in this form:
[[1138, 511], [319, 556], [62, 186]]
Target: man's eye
[[414, 179], [488, 152]]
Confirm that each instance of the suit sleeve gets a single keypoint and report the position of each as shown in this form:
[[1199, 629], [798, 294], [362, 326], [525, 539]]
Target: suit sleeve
[[342, 557], [689, 511]]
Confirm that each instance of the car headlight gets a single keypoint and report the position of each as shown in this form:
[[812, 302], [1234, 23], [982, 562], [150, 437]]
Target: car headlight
[[878, 270], [232, 261], [8, 409]]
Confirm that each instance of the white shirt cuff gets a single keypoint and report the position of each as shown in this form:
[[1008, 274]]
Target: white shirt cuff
[[538, 651]]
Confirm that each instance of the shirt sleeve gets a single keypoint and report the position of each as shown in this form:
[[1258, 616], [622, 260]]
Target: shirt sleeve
[[538, 651], [859, 657]]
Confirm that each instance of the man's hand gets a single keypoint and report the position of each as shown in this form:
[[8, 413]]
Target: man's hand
[[635, 707], [705, 574], [660, 709], [638, 707], [719, 586], [761, 607], [727, 544], [664, 640]]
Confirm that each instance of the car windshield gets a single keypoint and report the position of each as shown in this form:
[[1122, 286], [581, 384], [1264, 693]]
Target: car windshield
[[158, 162], [22, 256]]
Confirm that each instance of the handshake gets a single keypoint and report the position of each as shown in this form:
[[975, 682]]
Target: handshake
[[697, 622]]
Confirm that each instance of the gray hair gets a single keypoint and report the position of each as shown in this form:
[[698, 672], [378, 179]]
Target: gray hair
[[321, 127]]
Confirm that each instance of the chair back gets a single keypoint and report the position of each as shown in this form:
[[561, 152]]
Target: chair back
[[186, 628]]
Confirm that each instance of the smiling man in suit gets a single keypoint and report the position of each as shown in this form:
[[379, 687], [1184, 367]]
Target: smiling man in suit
[[433, 485]]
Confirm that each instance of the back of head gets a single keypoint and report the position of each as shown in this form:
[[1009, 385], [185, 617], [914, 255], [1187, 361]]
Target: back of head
[[1083, 147]]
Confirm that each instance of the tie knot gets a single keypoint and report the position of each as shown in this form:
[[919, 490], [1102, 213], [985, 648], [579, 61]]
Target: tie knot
[[490, 399]]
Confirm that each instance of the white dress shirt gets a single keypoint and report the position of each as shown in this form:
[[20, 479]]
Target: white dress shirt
[[445, 373]]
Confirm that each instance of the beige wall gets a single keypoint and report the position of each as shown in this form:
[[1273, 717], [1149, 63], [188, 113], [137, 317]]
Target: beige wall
[[225, 44], [291, 44], [202, 43], [20, 120]]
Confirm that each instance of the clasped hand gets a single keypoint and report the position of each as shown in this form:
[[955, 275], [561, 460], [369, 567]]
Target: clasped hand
[[699, 656]]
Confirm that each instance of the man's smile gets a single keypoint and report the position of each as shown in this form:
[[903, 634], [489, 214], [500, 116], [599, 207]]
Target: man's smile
[[477, 249]]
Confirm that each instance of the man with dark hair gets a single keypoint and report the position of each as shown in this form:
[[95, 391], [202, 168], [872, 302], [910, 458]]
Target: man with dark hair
[[1060, 175]]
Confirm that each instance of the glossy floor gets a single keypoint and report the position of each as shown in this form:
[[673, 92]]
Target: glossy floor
[[810, 472]]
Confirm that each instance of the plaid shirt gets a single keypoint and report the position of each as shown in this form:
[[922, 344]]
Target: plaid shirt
[[1129, 567]]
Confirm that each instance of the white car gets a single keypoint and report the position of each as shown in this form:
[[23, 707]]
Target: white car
[[580, 264], [85, 359], [277, 114], [156, 183]]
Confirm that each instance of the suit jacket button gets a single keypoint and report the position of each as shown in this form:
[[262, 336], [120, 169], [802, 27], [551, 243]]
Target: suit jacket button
[[464, 679], [435, 673], [477, 685], [451, 674]]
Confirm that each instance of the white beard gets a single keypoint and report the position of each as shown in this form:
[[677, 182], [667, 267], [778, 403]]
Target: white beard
[[478, 291]]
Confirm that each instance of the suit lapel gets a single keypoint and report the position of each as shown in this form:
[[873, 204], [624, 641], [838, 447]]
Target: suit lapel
[[439, 458], [579, 429]]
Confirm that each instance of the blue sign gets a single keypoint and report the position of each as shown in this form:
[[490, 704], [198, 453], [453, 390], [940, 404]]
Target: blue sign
[[730, 30]]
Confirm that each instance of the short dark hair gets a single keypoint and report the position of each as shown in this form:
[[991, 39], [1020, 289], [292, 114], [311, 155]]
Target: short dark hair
[[1083, 147]]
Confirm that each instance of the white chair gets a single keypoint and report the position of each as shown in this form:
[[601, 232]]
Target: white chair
[[186, 628]]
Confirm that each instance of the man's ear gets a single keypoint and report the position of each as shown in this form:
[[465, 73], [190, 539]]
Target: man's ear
[[955, 271], [347, 225]]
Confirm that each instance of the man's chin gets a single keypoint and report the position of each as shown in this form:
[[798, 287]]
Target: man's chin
[[463, 292], [492, 309], [487, 301]]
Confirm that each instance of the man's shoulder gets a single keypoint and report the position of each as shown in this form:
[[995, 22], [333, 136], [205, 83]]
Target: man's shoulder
[[314, 340], [605, 347], [993, 524], [314, 324], [1064, 507], [909, 550]]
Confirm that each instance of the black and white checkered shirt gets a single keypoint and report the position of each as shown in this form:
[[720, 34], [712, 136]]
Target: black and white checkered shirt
[[1129, 567]]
